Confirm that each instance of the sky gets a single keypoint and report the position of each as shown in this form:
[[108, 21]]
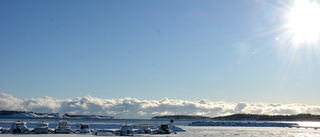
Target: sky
[[231, 51]]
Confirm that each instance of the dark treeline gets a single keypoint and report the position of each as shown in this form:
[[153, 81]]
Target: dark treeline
[[181, 117], [299, 117], [86, 116], [258, 117], [12, 112]]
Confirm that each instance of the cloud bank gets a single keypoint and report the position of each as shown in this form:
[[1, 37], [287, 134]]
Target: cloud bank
[[134, 108]]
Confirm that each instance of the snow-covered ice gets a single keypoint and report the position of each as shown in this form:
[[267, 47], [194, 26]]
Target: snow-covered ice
[[192, 131]]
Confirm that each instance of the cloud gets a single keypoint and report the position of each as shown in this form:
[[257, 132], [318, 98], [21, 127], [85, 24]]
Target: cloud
[[240, 106], [134, 108]]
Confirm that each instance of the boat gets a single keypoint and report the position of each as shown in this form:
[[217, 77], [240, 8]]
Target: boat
[[63, 127], [19, 127], [144, 129], [85, 128], [5, 130], [164, 129], [42, 127], [125, 131]]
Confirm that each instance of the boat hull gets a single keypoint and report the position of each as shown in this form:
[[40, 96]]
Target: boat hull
[[63, 131], [41, 130], [19, 129]]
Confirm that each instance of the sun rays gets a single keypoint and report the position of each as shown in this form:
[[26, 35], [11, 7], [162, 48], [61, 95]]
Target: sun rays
[[304, 22], [297, 22]]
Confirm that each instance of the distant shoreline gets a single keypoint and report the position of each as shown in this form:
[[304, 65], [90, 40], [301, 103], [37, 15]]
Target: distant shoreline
[[247, 117], [233, 117], [25, 114]]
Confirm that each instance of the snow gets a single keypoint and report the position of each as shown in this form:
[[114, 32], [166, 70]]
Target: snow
[[192, 131]]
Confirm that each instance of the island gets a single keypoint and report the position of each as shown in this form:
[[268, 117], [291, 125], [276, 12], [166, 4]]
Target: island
[[25, 114]]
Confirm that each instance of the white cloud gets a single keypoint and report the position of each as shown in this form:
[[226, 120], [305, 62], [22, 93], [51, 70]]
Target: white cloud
[[134, 108]]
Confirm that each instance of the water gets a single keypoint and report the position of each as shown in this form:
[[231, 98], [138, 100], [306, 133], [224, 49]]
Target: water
[[191, 131]]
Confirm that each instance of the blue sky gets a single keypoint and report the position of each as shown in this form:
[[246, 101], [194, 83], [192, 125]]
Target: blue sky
[[233, 51]]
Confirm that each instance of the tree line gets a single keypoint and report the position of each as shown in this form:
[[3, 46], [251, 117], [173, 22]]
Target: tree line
[[259, 117]]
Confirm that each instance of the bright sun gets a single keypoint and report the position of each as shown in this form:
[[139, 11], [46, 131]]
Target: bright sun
[[304, 21]]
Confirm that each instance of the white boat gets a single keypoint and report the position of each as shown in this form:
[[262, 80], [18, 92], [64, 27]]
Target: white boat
[[125, 130], [19, 127], [144, 129], [63, 127], [42, 127], [164, 129], [5, 130], [85, 128]]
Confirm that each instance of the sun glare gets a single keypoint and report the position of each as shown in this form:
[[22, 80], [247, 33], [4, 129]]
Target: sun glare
[[304, 21]]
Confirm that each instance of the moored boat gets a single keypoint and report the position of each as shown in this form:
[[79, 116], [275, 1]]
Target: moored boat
[[85, 128], [42, 127], [19, 127], [144, 129], [125, 130], [63, 127], [164, 129]]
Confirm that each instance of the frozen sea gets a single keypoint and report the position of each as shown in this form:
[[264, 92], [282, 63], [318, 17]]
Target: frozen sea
[[191, 131]]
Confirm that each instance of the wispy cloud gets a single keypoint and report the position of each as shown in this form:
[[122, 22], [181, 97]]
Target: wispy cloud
[[134, 108]]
